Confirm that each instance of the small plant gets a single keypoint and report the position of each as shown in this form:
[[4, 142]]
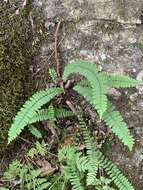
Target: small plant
[[94, 89], [24, 176], [39, 149]]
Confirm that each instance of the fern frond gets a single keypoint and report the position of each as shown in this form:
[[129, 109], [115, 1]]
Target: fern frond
[[45, 115], [35, 132], [63, 113], [97, 80], [114, 173], [112, 118], [102, 162], [70, 155], [53, 75], [29, 109], [74, 179], [91, 153], [119, 81]]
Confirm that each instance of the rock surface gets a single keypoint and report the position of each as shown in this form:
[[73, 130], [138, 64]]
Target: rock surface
[[108, 32]]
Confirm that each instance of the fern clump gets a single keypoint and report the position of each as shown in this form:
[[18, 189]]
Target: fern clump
[[79, 166], [28, 177], [82, 169]]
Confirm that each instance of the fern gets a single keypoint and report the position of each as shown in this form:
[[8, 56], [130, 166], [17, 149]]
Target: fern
[[91, 153], [35, 132], [46, 114], [97, 80], [115, 81], [29, 109], [112, 118], [53, 75], [62, 113], [28, 177], [115, 174], [119, 81], [70, 155]]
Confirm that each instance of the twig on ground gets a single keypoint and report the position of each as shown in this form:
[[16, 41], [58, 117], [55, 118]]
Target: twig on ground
[[71, 107], [56, 48]]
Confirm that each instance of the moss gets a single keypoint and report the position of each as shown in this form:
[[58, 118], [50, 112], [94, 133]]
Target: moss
[[15, 53]]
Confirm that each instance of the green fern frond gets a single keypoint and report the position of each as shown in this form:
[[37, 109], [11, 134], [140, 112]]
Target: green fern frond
[[63, 113], [112, 118], [35, 132], [114, 173], [70, 155], [29, 109], [102, 162], [53, 75], [46, 114], [91, 153], [74, 179], [119, 81], [97, 80], [82, 163]]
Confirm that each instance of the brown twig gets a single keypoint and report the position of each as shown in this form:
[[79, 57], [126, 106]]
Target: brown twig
[[71, 107], [56, 48]]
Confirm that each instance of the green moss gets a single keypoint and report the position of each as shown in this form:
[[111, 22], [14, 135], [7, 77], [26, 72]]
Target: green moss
[[15, 53]]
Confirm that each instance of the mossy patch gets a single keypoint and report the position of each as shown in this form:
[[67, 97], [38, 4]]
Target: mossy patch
[[16, 51]]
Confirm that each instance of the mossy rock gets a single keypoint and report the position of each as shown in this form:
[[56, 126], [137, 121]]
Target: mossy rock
[[15, 54]]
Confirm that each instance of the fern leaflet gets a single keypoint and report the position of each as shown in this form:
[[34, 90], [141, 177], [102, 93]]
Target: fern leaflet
[[35, 132], [29, 109], [119, 81]]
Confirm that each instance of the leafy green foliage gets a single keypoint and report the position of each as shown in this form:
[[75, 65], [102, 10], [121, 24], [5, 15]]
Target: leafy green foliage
[[35, 132], [97, 80], [100, 82], [91, 153], [119, 81], [53, 75], [81, 169], [52, 113], [115, 174], [112, 118], [29, 109], [70, 155], [79, 166], [28, 177], [39, 149]]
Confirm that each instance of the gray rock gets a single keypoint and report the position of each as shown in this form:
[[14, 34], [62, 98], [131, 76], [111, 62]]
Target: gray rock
[[108, 32]]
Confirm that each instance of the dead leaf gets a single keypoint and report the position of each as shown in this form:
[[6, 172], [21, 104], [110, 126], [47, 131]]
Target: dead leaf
[[46, 168]]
